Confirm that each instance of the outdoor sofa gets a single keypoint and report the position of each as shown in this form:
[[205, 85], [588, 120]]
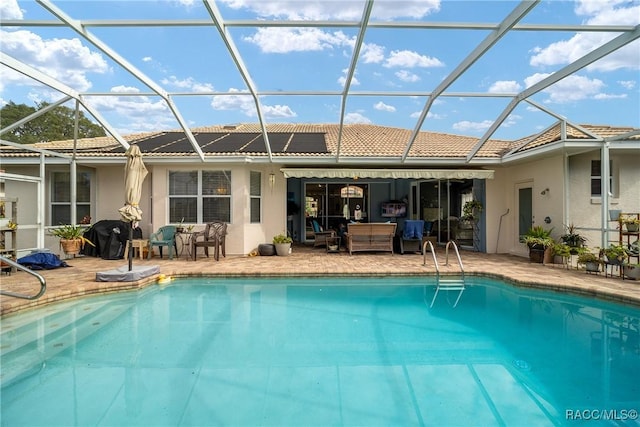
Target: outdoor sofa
[[374, 236]]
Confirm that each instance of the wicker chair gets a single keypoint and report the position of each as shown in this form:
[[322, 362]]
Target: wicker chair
[[213, 235], [320, 235]]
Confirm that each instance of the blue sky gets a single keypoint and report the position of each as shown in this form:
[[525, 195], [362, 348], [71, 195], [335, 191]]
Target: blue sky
[[400, 65]]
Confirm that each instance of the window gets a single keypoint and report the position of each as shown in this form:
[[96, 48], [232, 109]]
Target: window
[[199, 196], [596, 181], [61, 197], [255, 194]]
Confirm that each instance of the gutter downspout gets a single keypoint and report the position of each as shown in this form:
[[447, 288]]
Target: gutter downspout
[[605, 192], [499, 228]]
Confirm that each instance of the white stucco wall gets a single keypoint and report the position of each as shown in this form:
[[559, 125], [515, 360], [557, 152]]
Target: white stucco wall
[[586, 211], [502, 194], [242, 236]]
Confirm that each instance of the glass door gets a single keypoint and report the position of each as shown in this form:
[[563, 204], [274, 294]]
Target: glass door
[[439, 203], [333, 205]]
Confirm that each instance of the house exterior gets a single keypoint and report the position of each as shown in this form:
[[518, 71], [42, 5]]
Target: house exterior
[[248, 178]]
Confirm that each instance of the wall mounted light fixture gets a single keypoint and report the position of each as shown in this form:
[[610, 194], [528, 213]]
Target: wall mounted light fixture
[[272, 179]]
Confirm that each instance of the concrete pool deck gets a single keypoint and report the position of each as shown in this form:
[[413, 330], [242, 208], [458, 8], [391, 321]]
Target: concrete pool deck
[[80, 278]]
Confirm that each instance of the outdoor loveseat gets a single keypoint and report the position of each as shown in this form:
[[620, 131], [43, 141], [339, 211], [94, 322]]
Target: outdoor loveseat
[[374, 236]]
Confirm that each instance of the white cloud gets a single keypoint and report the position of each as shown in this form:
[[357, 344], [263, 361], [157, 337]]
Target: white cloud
[[505, 86], [9, 9], [597, 13], [188, 83], [142, 112], [65, 60], [407, 76], [278, 111], [381, 106], [627, 84], [342, 80], [410, 59], [356, 118], [147, 59], [244, 102], [468, 126], [285, 40], [430, 115], [372, 53], [346, 10], [511, 120], [606, 96], [570, 89]]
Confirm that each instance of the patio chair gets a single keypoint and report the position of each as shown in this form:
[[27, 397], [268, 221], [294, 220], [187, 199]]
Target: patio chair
[[319, 234], [411, 239], [214, 235], [165, 236]]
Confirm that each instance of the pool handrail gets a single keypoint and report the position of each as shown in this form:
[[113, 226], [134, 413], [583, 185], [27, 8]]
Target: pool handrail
[[43, 282], [446, 252], [433, 255]]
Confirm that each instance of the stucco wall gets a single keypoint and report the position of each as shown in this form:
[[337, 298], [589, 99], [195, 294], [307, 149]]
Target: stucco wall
[[586, 211], [242, 235], [502, 194]]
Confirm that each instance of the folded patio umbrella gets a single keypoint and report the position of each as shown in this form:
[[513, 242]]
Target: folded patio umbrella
[[134, 175]]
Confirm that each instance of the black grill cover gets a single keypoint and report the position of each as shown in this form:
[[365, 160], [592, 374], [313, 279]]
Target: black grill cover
[[109, 238]]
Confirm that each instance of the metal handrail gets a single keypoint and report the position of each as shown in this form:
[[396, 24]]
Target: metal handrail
[[43, 282], [433, 254], [455, 247]]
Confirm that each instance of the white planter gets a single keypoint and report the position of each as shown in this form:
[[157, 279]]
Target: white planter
[[631, 272], [283, 249]]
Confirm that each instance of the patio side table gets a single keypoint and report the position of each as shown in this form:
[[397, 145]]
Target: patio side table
[[332, 244], [140, 245]]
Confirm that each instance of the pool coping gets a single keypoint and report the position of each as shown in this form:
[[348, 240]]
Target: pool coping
[[309, 263]]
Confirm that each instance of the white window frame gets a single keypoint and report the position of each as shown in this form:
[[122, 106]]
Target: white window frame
[[199, 196], [52, 199], [257, 197], [612, 179]]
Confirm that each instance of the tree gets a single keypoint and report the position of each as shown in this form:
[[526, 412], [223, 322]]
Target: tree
[[55, 125]]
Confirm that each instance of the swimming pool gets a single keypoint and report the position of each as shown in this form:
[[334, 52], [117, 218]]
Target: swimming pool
[[291, 352]]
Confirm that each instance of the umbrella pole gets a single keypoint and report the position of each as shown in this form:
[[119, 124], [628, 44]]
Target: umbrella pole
[[130, 254]]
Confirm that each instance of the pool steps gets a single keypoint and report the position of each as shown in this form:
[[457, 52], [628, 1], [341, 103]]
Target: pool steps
[[25, 345]]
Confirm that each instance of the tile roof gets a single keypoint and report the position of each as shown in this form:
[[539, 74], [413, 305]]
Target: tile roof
[[318, 140]]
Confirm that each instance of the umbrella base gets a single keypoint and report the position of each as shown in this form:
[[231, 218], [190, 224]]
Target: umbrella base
[[122, 274]]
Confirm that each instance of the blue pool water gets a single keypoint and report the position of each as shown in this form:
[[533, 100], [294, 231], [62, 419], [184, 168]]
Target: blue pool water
[[322, 352]]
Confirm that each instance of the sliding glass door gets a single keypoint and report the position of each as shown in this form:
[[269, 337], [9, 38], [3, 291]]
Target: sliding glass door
[[333, 204], [439, 202]]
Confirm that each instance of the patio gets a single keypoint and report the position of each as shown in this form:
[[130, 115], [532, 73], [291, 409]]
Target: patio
[[79, 278]]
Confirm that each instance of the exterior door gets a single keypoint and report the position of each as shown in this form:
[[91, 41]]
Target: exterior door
[[525, 209]]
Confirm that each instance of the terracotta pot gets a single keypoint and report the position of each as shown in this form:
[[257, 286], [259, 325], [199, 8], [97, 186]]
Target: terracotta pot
[[71, 246]]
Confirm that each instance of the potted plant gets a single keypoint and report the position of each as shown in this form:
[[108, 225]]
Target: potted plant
[[591, 261], [72, 238], [616, 254], [471, 211], [180, 226], [282, 242], [562, 251], [538, 240], [573, 239], [631, 271], [631, 223]]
